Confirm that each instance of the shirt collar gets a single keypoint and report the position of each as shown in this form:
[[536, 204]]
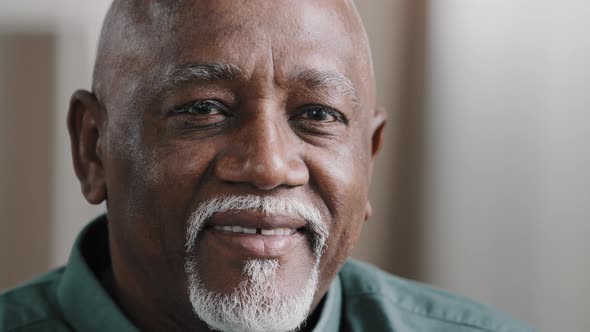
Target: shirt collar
[[87, 306], [332, 310]]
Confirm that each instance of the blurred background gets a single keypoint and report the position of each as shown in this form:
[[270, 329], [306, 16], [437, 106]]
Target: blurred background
[[483, 185]]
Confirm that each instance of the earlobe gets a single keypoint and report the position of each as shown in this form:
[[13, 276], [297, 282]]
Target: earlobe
[[368, 211], [84, 119]]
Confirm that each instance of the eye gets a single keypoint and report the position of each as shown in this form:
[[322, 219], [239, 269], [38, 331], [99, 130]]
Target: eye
[[202, 107], [200, 115], [321, 114]]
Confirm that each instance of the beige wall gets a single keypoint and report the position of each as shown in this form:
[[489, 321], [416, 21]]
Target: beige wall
[[508, 182], [26, 150], [46, 50]]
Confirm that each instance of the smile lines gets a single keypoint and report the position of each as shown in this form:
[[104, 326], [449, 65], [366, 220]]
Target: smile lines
[[284, 231]]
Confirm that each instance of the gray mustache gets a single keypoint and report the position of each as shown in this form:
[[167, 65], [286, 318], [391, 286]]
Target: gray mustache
[[267, 204]]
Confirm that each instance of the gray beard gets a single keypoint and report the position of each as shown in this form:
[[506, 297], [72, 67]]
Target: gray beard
[[257, 304]]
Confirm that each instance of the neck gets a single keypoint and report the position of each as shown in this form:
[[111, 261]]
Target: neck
[[144, 308]]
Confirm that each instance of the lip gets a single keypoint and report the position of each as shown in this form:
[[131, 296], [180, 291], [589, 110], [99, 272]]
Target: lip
[[255, 219], [244, 246], [252, 245]]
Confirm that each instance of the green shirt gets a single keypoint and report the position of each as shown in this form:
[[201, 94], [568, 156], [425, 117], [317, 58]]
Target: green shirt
[[361, 298]]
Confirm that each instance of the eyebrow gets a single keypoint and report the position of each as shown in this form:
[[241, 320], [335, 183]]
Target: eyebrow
[[317, 80], [314, 79], [200, 72]]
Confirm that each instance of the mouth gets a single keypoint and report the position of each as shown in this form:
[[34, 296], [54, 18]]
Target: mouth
[[251, 235], [282, 231]]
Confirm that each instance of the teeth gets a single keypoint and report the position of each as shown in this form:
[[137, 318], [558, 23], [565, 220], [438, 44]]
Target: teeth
[[249, 230], [269, 232]]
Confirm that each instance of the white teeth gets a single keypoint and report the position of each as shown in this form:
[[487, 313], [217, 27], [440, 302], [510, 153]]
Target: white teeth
[[278, 231], [284, 231], [249, 230], [269, 232]]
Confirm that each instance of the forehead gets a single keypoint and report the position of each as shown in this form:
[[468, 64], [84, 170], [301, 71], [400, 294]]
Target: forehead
[[259, 37], [299, 20]]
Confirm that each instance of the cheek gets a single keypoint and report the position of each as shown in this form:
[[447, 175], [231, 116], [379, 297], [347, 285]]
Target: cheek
[[344, 192], [342, 182], [154, 192], [156, 195], [167, 177]]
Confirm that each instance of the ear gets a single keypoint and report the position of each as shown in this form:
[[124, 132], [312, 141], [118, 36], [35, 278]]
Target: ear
[[378, 123], [86, 136]]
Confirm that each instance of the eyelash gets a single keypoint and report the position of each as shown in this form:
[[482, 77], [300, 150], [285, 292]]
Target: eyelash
[[339, 117], [185, 108]]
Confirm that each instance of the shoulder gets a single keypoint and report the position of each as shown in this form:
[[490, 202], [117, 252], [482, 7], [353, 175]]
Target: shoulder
[[32, 306], [396, 303]]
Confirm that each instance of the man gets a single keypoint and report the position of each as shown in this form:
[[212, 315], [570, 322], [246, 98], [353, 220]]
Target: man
[[233, 142]]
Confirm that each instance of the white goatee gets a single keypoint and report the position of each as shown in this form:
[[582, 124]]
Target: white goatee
[[259, 302]]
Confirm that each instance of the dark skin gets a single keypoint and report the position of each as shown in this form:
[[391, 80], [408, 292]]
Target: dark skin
[[137, 145]]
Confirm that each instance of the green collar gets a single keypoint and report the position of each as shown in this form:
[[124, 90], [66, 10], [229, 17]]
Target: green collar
[[332, 310], [85, 303]]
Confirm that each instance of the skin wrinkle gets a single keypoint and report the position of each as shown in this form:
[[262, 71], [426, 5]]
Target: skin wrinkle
[[157, 172], [144, 163], [317, 80], [314, 79], [199, 72], [360, 40]]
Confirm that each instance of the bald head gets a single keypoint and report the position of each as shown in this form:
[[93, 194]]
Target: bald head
[[141, 38]]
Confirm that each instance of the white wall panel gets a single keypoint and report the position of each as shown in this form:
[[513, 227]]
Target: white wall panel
[[508, 186]]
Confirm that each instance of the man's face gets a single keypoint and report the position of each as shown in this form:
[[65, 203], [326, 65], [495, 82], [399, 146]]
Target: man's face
[[267, 100]]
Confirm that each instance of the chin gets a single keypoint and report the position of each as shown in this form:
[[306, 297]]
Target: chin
[[261, 301]]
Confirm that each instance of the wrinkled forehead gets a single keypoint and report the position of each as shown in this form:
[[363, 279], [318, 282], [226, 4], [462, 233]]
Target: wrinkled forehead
[[154, 36]]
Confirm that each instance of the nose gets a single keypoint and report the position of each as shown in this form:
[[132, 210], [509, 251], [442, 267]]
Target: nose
[[262, 154]]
